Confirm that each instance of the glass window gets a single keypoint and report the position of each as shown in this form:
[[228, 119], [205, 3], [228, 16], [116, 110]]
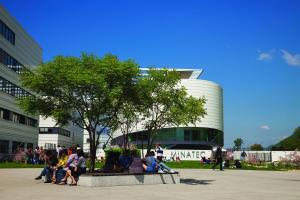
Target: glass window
[[11, 62], [187, 135], [195, 135], [7, 33], [4, 145], [17, 145], [12, 89], [5, 114]]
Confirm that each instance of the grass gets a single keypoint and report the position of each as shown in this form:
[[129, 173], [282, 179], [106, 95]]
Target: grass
[[19, 165], [198, 165]]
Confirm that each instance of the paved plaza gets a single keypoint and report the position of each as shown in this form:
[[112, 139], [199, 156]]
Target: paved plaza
[[17, 184]]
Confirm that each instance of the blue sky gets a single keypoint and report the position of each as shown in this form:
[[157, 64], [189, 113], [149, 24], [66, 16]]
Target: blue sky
[[251, 48]]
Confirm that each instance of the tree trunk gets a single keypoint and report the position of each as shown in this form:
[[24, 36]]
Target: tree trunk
[[93, 149], [149, 142]]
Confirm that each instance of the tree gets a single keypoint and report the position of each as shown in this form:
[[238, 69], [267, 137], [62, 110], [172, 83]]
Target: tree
[[127, 119], [87, 90], [238, 143], [256, 147], [165, 103]]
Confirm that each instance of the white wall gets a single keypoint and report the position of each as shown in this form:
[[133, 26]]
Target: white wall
[[214, 104], [275, 155]]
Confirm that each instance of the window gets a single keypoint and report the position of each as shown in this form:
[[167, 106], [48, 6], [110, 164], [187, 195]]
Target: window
[[54, 130], [4, 145], [31, 122], [11, 62], [50, 146], [7, 33], [12, 89], [17, 145], [187, 135], [17, 118], [5, 114], [195, 135]]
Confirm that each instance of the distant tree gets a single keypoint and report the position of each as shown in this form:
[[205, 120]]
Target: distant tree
[[88, 91], [238, 143], [256, 147], [166, 103]]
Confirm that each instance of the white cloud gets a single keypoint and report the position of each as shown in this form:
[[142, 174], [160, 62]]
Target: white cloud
[[264, 56], [265, 127], [290, 59]]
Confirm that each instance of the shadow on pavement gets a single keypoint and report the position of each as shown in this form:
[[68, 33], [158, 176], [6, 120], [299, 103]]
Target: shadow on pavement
[[191, 181]]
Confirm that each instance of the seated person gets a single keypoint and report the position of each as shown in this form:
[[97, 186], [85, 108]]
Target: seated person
[[51, 161], [125, 160], [237, 164], [150, 164], [162, 167], [112, 163], [208, 161], [59, 171], [76, 168], [136, 165], [203, 159]]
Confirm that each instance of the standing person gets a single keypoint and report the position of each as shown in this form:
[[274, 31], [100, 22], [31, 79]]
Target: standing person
[[243, 156], [218, 159], [58, 150], [42, 156], [159, 152], [37, 155]]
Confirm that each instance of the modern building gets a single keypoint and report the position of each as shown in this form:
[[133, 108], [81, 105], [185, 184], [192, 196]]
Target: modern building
[[52, 135], [205, 134], [18, 52]]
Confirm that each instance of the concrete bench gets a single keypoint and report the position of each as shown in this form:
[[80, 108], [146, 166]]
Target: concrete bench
[[117, 179]]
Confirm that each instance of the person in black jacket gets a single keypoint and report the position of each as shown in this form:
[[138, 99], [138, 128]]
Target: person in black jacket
[[218, 159]]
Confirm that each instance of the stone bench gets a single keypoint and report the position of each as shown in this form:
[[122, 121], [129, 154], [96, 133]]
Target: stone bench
[[117, 179]]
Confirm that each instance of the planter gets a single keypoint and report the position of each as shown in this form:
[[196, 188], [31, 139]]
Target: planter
[[117, 179]]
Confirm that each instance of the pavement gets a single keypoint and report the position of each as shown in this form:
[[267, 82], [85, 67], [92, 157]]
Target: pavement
[[17, 184]]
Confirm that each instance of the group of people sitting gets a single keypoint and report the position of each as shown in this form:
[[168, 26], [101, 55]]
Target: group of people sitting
[[131, 162], [67, 163]]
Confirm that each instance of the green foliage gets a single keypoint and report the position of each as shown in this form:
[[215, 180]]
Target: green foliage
[[256, 147], [87, 90], [238, 143], [290, 143], [165, 103]]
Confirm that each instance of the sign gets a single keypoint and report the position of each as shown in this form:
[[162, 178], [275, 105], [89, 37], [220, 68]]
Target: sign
[[172, 154]]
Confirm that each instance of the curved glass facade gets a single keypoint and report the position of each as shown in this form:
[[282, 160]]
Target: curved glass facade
[[179, 138]]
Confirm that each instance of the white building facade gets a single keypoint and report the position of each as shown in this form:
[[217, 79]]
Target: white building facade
[[51, 135], [18, 52]]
